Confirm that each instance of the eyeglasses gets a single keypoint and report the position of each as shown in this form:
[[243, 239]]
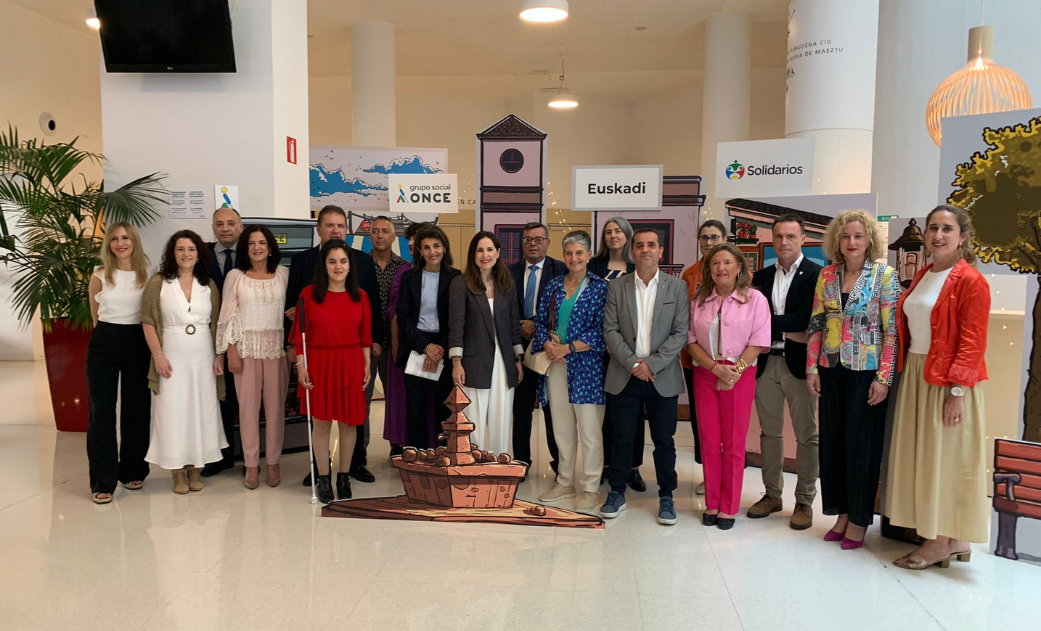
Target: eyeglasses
[[535, 240], [709, 238]]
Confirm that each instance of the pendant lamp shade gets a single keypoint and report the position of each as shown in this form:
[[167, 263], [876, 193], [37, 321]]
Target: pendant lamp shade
[[563, 101], [981, 87], [544, 10]]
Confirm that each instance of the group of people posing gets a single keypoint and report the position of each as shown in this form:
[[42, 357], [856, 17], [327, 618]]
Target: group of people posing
[[621, 341]]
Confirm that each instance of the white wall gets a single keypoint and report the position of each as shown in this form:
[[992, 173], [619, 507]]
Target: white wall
[[208, 129], [45, 67]]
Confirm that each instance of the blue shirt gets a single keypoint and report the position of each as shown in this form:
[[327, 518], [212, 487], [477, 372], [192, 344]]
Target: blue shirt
[[428, 320]]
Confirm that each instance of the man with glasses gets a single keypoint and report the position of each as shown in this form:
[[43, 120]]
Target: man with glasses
[[710, 234], [530, 276]]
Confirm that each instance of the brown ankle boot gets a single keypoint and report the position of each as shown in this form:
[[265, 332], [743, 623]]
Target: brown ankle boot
[[194, 478], [180, 481]]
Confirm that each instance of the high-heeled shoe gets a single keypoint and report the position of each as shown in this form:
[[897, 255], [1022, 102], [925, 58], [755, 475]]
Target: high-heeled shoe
[[274, 475], [849, 544], [325, 489], [252, 480], [834, 536], [343, 486]]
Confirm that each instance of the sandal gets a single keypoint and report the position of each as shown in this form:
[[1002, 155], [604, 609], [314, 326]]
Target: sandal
[[913, 561], [99, 498], [134, 485]]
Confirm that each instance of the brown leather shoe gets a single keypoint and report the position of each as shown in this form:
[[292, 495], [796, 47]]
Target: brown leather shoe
[[802, 518], [765, 506]]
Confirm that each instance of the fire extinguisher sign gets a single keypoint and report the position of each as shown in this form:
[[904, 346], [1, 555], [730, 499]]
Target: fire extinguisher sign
[[290, 150]]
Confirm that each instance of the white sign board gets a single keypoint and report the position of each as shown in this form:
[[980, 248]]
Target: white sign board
[[616, 187], [832, 52], [187, 205], [225, 195], [423, 193], [764, 168]]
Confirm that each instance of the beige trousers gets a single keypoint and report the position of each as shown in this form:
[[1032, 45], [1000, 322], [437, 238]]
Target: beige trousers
[[776, 386], [578, 428], [267, 381]]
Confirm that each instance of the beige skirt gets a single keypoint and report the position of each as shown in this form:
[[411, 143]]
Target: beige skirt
[[937, 475]]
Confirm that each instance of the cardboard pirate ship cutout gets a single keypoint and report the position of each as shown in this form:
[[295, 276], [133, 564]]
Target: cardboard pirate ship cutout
[[459, 483]]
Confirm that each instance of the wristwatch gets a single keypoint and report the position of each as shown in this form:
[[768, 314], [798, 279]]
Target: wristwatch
[[571, 347], [958, 391]]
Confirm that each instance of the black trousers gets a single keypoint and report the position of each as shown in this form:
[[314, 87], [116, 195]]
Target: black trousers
[[608, 430], [851, 435], [637, 396], [525, 396], [229, 411], [420, 395], [117, 352], [688, 378]]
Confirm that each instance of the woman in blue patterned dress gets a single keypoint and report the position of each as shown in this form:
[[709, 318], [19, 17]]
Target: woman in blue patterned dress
[[569, 327]]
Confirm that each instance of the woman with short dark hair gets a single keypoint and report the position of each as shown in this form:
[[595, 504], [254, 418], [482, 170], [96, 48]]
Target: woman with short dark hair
[[250, 331], [180, 307]]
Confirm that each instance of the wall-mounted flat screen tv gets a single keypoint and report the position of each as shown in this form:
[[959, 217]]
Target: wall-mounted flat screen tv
[[166, 35]]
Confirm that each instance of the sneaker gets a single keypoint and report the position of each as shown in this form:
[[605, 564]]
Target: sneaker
[[765, 506], [587, 501], [700, 490], [615, 504], [666, 511], [557, 493]]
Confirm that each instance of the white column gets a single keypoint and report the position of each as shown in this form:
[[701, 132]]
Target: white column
[[372, 85], [920, 43], [726, 95], [832, 49], [208, 129]]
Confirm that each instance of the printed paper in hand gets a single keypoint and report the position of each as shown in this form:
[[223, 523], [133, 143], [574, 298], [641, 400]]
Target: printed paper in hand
[[414, 367]]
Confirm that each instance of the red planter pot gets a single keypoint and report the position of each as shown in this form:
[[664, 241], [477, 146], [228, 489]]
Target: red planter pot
[[65, 350]]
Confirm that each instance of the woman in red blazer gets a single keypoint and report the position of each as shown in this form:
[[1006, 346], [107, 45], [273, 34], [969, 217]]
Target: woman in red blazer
[[937, 462]]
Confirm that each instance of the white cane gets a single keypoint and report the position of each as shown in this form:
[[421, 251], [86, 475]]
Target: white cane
[[307, 396]]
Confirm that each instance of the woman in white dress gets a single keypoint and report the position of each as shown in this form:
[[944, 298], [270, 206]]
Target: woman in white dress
[[485, 343], [179, 311], [250, 331]]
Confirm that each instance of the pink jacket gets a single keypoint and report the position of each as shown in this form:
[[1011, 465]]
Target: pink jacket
[[743, 322]]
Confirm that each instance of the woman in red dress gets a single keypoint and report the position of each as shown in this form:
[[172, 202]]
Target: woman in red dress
[[336, 320]]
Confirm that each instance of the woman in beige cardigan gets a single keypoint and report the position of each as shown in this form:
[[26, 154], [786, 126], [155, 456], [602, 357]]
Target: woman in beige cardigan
[[179, 312]]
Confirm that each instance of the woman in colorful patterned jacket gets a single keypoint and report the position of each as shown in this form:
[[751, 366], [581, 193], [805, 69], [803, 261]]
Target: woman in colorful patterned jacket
[[849, 365]]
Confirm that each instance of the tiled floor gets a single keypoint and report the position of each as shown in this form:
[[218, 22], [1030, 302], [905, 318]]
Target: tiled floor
[[228, 558]]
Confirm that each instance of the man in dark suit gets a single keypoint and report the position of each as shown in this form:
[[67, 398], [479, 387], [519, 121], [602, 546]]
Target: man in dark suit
[[781, 376], [227, 227], [332, 224], [530, 276]]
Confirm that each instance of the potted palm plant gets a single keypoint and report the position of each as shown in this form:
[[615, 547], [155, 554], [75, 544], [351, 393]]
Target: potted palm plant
[[51, 232]]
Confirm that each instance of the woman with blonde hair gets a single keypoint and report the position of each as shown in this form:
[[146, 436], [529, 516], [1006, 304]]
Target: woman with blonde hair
[[117, 366], [729, 328], [937, 482], [849, 365]]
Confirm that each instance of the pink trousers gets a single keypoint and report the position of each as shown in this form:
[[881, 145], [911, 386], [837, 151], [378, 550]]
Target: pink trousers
[[723, 418], [267, 381]]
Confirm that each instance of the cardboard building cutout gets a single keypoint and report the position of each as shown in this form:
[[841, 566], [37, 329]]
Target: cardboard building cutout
[[460, 483], [511, 182]]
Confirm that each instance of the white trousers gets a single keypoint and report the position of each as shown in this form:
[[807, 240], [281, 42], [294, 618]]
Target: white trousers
[[575, 427]]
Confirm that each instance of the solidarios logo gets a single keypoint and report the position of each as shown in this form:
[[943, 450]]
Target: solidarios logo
[[735, 171]]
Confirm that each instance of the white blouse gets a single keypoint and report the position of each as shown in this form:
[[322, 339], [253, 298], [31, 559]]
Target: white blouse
[[919, 309], [252, 313], [119, 302]]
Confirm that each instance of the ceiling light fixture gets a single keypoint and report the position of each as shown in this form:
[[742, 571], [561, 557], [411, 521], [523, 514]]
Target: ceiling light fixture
[[91, 18], [981, 87], [544, 10], [563, 99]]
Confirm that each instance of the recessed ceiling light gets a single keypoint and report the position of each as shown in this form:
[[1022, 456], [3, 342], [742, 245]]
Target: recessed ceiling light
[[544, 10], [91, 18]]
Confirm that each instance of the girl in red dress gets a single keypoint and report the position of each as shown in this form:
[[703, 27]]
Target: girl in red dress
[[337, 322]]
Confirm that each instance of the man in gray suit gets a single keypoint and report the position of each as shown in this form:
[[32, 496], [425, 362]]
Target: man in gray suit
[[645, 325]]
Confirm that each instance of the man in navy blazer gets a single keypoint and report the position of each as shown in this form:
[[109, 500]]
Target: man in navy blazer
[[332, 224], [535, 241], [227, 227], [789, 287]]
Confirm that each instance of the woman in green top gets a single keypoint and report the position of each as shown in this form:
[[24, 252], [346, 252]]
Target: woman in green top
[[572, 309]]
